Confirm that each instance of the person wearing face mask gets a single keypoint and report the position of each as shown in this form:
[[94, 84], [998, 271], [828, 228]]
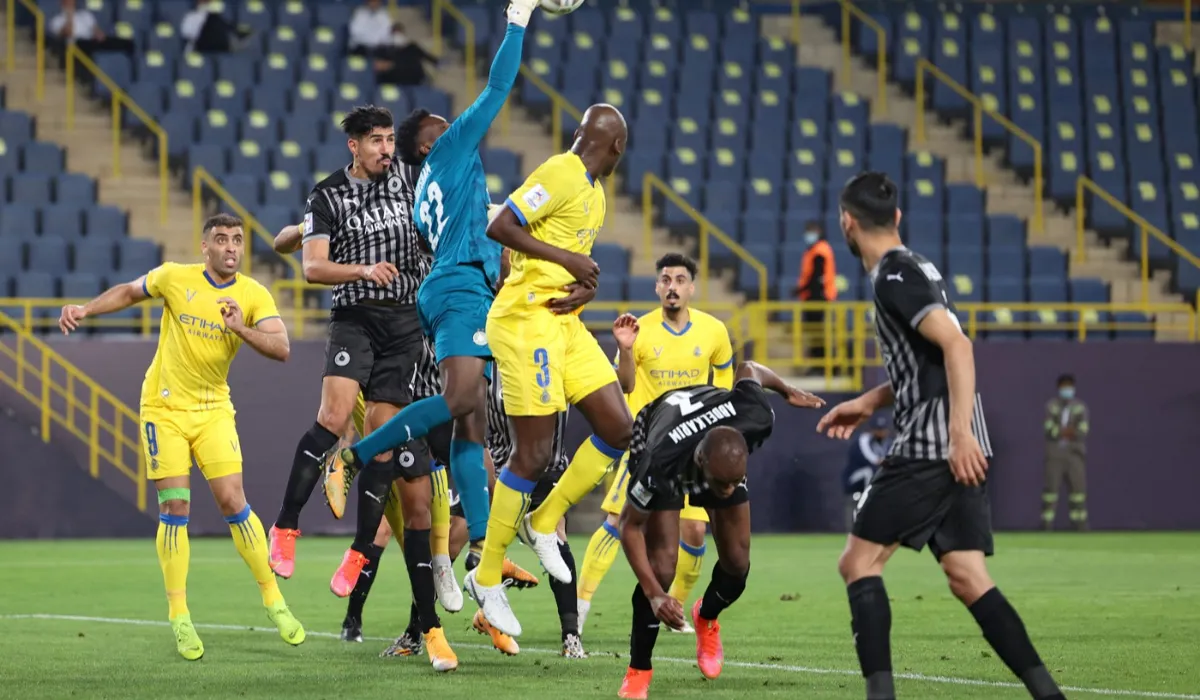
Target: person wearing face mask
[[817, 283], [1066, 448]]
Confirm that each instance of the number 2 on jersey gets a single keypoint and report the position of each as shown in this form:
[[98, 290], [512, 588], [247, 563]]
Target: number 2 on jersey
[[435, 224], [683, 401]]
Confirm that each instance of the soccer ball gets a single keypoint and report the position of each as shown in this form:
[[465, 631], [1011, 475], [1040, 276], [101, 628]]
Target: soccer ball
[[560, 7]]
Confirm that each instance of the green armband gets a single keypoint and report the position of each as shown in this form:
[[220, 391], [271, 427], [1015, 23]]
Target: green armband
[[176, 494]]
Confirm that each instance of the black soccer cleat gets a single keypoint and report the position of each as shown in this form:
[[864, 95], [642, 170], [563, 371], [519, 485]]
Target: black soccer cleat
[[351, 630]]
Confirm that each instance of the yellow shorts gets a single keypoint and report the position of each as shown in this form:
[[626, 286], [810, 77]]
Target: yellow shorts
[[546, 362], [170, 439], [614, 500]]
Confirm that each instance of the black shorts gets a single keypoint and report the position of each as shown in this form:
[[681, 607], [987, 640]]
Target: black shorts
[[540, 491], [411, 461], [377, 346], [705, 499], [918, 502]]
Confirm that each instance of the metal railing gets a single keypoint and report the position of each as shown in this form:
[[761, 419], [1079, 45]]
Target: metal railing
[[39, 29], [69, 399], [439, 10], [852, 11], [201, 180], [978, 112]]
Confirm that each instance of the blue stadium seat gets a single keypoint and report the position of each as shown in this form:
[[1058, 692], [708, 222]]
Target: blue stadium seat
[[105, 222], [64, 221], [75, 189], [30, 189], [42, 158], [18, 220], [94, 256]]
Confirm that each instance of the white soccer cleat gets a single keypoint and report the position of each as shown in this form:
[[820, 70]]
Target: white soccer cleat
[[686, 629], [448, 593], [494, 603], [546, 548], [582, 607]]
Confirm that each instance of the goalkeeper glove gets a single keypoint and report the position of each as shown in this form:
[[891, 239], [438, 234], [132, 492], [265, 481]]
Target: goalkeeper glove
[[519, 12]]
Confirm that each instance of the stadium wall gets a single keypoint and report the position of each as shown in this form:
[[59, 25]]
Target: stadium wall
[[1140, 468]]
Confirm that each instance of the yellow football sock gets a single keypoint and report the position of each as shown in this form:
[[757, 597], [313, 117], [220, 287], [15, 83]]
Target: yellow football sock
[[687, 571], [591, 461], [173, 554], [251, 543], [601, 552], [510, 503], [439, 513]]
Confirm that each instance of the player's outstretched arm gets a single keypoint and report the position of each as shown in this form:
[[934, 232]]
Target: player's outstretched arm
[[507, 230], [119, 297], [268, 337], [769, 380], [288, 240]]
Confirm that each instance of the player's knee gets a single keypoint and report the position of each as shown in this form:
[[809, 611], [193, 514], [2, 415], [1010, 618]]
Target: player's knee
[[616, 435], [529, 462], [736, 563], [175, 506], [334, 418], [417, 518], [692, 532], [968, 579], [853, 567], [231, 504]]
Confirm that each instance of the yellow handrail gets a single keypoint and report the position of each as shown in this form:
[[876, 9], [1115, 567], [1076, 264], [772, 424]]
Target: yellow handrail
[[795, 28], [39, 28], [1085, 184], [980, 109], [34, 369], [144, 323], [201, 179], [439, 47], [119, 98], [558, 105], [1187, 24], [849, 10]]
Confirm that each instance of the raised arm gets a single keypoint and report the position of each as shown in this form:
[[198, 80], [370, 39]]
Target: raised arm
[[625, 331], [115, 299], [769, 380]]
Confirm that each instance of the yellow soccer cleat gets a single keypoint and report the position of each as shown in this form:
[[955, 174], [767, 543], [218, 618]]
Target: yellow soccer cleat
[[336, 481], [503, 643], [515, 577], [289, 627], [187, 642], [440, 654]]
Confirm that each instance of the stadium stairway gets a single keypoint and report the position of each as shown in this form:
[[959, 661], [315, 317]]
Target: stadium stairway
[[821, 47]]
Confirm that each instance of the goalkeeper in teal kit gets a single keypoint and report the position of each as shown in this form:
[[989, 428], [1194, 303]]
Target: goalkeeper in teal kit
[[451, 212]]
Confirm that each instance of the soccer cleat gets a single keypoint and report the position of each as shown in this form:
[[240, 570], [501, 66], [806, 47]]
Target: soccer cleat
[[573, 647], [440, 654], [503, 643], [494, 604], [405, 645], [282, 548], [289, 627], [187, 642], [710, 654], [351, 630], [445, 585], [516, 577], [336, 481], [686, 629], [582, 607], [545, 545], [636, 684], [346, 576], [349, 459]]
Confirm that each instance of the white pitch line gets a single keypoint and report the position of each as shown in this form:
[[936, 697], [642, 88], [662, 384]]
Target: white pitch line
[[736, 664]]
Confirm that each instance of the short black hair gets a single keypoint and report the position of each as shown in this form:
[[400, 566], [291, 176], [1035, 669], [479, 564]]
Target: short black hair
[[222, 220], [677, 260], [361, 121], [871, 198], [1066, 379], [408, 133], [814, 225]]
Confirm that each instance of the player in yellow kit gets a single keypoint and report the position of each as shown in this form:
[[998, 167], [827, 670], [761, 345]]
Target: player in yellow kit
[[672, 347], [209, 312], [546, 357]]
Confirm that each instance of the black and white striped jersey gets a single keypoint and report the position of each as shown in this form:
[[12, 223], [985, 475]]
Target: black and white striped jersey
[[908, 287], [499, 440], [427, 378], [367, 222]]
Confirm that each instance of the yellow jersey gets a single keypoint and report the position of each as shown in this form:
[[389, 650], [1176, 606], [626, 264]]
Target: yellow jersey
[[190, 370], [666, 359], [562, 206]]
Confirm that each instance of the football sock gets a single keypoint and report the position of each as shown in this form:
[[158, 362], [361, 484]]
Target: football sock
[[723, 590], [474, 554], [645, 631], [420, 576], [1003, 629], [601, 552], [413, 422], [366, 579], [374, 490], [414, 621], [173, 554], [306, 472], [510, 503], [251, 543], [471, 478], [591, 461], [687, 572], [564, 595], [871, 621], [439, 512]]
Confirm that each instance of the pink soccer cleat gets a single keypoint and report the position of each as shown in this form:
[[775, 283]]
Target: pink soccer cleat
[[346, 576], [710, 654], [282, 557]]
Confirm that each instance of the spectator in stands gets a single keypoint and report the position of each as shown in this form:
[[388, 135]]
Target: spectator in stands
[[76, 25], [398, 60], [817, 283], [1066, 434], [206, 30], [866, 454], [370, 28]]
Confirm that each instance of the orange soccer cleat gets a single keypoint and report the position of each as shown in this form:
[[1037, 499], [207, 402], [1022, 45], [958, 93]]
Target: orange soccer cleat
[[636, 684], [441, 656], [710, 654], [515, 577], [503, 643], [346, 575], [282, 547]]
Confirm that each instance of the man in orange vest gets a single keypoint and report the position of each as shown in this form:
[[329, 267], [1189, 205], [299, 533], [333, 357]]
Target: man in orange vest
[[817, 283]]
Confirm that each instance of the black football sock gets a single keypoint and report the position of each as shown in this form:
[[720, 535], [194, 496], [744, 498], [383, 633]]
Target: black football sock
[[645, 631], [414, 621], [723, 590], [871, 620], [474, 554], [362, 589], [306, 472], [565, 596], [420, 574], [374, 489], [1003, 629]]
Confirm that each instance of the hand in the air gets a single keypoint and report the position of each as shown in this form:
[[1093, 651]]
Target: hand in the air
[[70, 317], [844, 419], [803, 399], [625, 330]]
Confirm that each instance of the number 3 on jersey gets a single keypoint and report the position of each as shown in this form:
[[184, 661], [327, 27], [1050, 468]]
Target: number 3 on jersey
[[435, 221], [683, 401]]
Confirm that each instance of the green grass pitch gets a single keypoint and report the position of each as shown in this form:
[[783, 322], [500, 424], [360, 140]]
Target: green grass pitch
[[1113, 615]]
